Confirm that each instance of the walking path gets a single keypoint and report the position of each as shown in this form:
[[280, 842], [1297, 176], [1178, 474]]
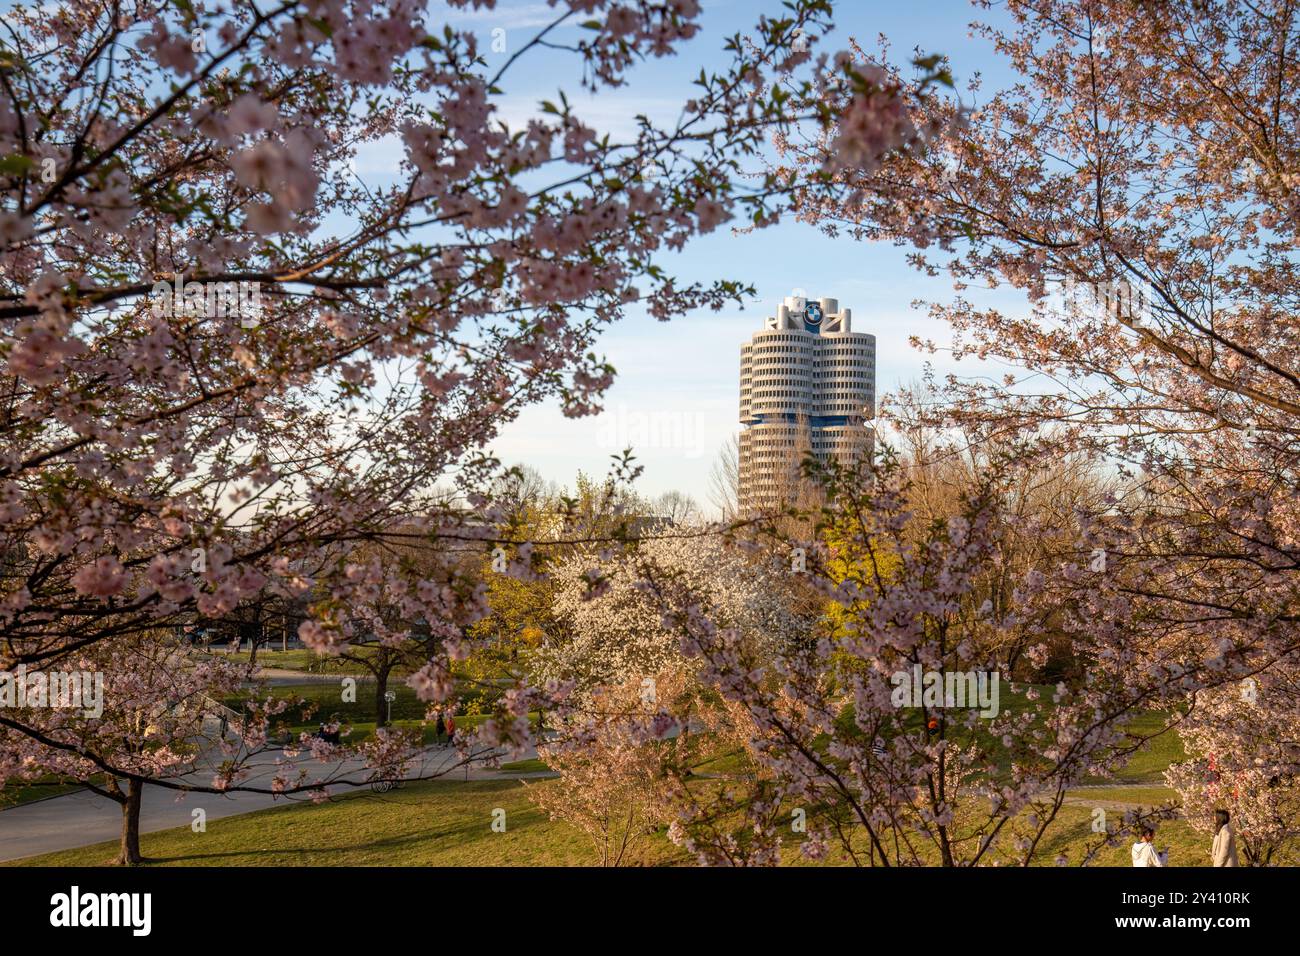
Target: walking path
[[83, 818]]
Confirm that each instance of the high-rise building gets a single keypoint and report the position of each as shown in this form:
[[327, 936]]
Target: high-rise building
[[807, 382]]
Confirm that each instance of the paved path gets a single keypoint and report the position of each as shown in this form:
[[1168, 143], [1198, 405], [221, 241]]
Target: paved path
[[82, 818]]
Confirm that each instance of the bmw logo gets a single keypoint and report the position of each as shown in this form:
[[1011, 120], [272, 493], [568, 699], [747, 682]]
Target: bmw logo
[[812, 315]]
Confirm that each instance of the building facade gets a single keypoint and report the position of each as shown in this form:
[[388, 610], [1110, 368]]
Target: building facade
[[807, 383]]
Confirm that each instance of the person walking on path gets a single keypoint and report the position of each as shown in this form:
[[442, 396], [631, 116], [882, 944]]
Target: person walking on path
[[1144, 851], [451, 728], [1224, 850]]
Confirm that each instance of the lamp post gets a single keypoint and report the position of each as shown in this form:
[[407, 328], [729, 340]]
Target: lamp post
[[390, 696]]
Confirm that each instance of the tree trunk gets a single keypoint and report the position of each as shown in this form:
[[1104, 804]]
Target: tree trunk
[[381, 705], [129, 851]]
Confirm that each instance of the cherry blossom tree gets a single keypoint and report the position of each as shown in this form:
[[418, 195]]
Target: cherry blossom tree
[[230, 358], [1136, 185], [147, 723], [610, 627], [901, 732], [612, 760], [1244, 753]]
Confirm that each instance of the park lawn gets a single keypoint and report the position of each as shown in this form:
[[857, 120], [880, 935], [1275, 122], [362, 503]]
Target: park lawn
[[433, 823], [725, 764], [365, 729], [1148, 764], [328, 700], [368, 829], [16, 794], [1073, 830], [448, 823], [296, 660], [408, 711], [1070, 835], [301, 659], [325, 701], [1144, 767], [308, 661], [1145, 796], [531, 765]]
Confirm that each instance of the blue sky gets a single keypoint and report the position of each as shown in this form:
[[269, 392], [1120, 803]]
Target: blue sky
[[676, 395], [684, 373]]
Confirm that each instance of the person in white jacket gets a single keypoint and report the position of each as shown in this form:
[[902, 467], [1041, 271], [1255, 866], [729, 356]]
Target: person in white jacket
[[1144, 851], [1224, 850]]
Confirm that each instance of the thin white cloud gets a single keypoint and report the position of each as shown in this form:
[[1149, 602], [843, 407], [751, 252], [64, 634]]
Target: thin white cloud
[[510, 16], [606, 113]]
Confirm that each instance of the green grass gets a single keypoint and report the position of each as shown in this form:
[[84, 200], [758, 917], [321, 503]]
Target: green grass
[[328, 701], [448, 823], [16, 794], [1070, 834], [300, 659], [365, 729], [531, 765], [327, 698], [1146, 796], [725, 764], [1149, 763], [1146, 766], [435, 823], [1073, 829]]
